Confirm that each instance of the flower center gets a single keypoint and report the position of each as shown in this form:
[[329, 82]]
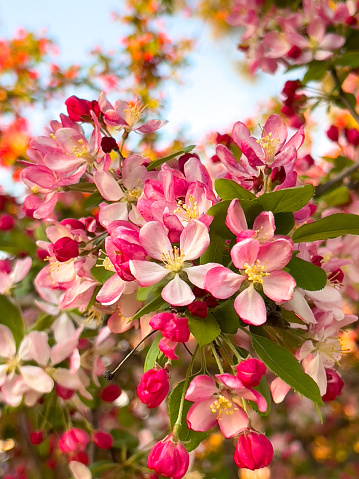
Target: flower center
[[79, 150], [187, 212], [133, 195], [269, 145], [222, 406], [134, 113], [12, 364], [331, 348], [94, 314], [174, 259], [255, 272]]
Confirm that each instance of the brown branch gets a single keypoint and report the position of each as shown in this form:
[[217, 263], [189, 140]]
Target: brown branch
[[321, 189]]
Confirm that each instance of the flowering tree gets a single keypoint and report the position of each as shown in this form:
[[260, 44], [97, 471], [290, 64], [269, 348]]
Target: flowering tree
[[198, 288]]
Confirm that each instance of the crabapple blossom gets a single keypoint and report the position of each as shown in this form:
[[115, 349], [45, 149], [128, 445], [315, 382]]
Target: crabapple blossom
[[169, 458], [253, 451], [153, 387]]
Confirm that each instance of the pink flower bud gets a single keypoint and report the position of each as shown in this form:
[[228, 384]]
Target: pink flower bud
[[334, 386], [253, 451], [102, 439], [108, 144], [250, 372], [169, 458], [64, 393], [198, 308], [74, 440], [153, 387], [78, 109], [333, 133], [290, 88], [7, 222], [36, 437], [110, 393], [5, 266], [171, 326], [65, 249], [295, 52]]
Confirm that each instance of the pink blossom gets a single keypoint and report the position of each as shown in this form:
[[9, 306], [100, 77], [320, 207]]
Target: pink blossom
[[253, 451], [174, 330], [8, 279], [169, 458], [74, 440], [153, 387], [250, 371]]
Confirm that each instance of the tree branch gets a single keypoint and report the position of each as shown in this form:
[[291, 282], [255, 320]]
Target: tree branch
[[342, 96], [321, 189]]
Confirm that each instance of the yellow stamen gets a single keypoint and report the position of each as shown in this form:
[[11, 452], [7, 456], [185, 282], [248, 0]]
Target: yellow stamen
[[134, 113], [187, 212], [269, 144], [174, 259], [255, 272], [222, 406]]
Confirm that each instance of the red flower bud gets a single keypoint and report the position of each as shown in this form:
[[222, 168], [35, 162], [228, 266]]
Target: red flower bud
[[335, 385], [169, 458], [42, 254], [36, 437], [171, 326], [288, 110], [7, 222], [333, 133], [290, 88], [250, 371], [253, 451], [198, 308], [110, 393], [78, 109], [153, 387], [102, 439], [63, 392], [108, 144], [294, 52], [74, 440], [352, 136], [65, 249]]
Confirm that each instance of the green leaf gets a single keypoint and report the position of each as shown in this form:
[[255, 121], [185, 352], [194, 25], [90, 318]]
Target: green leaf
[[152, 354], [10, 316], [85, 187], [227, 317], [337, 196], [329, 227], [92, 201], [214, 252], [284, 223], [123, 439], [159, 162], [219, 213], [228, 190], [287, 200], [316, 71], [350, 59], [190, 438], [282, 363], [204, 330], [100, 273], [14, 242], [149, 292], [157, 304], [44, 322], [307, 275]]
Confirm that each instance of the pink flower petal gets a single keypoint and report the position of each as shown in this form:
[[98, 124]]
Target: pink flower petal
[[221, 282], [275, 255], [201, 388], [154, 239], [177, 292], [7, 343], [107, 185], [236, 220], [37, 379], [245, 252], [147, 273], [194, 240], [111, 291], [200, 416], [279, 390], [250, 307], [279, 286], [197, 274], [264, 225], [233, 424]]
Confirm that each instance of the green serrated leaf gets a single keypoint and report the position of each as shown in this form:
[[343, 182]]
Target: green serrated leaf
[[204, 330], [338, 196], [152, 354], [284, 223], [92, 201], [190, 438], [214, 252], [282, 363], [329, 227], [307, 275], [157, 304], [10, 316], [316, 71], [219, 213], [228, 190], [160, 162], [286, 200], [350, 59]]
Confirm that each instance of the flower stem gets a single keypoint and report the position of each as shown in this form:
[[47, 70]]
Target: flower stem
[[178, 424], [217, 358]]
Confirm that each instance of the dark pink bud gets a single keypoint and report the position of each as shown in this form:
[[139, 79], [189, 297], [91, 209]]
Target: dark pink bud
[[182, 160], [171, 326], [297, 121], [74, 440], [108, 144], [224, 139], [5, 266], [351, 21], [74, 224], [78, 109], [7, 222], [169, 458], [333, 133], [294, 52], [95, 107], [352, 136], [110, 393], [36, 437], [64, 393], [42, 254], [153, 387], [253, 451], [65, 249], [288, 110], [290, 87], [250, 371], [335, 385], [102, 439], [211, 301], [80, 456], [198, 308], [31, 204], [198, 292]]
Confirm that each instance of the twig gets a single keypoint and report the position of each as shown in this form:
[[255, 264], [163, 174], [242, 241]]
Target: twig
[[321, 189], [342, 96]]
